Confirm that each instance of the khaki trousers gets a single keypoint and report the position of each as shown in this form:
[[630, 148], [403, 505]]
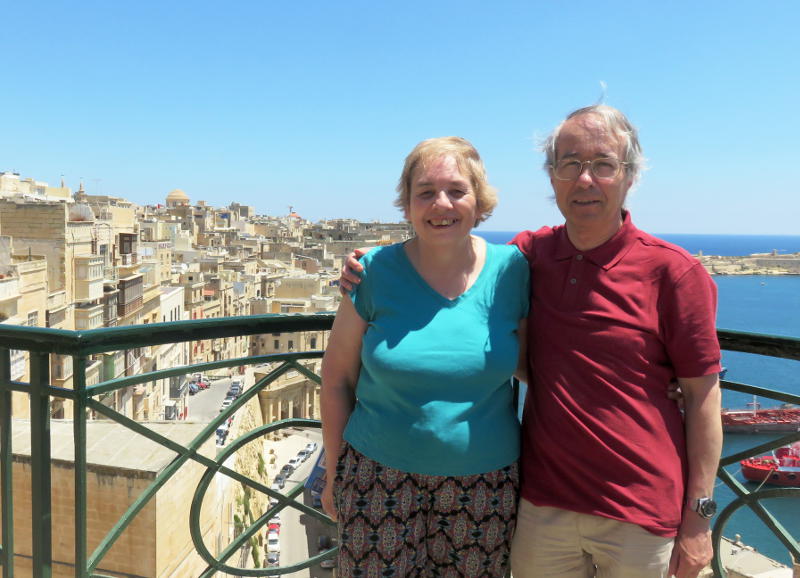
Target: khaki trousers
[[555, 543]]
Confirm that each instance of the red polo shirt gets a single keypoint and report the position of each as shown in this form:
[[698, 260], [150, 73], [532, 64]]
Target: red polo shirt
[[608, 330]]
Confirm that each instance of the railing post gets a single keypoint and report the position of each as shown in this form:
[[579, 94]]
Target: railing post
[[79, 439], [41, 503], [6, 465]]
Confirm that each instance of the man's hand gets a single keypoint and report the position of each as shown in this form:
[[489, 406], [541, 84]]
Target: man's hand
[[350, 270], [693, 550]]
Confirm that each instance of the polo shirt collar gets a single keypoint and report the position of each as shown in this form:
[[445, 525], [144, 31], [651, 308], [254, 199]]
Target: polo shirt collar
[[606, 255]]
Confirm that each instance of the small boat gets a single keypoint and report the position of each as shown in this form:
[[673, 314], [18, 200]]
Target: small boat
[[781, 468]]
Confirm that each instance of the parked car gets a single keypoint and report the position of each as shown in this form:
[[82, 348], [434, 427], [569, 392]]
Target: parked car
[[226, 403], [294, 462], [329, 563], [276, 519], [280, 480], [303, 454], [273, 559], [274, 528], [286, 470], [311, 447], [273, 542], [193, 388]]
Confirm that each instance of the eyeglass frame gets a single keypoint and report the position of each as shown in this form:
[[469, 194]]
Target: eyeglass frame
[[591, 168]]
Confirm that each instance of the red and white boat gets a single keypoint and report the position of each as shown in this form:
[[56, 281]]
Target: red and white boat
[[782, 468]]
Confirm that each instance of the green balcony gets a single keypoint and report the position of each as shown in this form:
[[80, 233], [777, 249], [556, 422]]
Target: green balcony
[[106, 495]]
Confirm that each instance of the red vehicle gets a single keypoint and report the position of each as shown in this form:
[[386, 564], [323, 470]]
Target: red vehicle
[[782, 468], [274, 527]]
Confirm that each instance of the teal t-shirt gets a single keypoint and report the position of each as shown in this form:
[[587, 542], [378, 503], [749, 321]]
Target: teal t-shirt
[[434, 394]]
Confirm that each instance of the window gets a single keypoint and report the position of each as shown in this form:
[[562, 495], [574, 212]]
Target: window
[[277, 345], [33, 319], [291, 345], [313, 344]]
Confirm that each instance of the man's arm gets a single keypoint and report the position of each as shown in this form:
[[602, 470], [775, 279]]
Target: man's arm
[[522, 361], [702, 403]]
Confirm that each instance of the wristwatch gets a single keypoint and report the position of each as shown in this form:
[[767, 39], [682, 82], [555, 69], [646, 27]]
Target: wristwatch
[[705, 507]]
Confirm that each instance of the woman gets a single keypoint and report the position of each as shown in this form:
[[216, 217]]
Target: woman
[[417, 408]]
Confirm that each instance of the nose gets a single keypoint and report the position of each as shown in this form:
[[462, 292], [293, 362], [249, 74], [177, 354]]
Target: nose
[[585, 178], [442, 199]]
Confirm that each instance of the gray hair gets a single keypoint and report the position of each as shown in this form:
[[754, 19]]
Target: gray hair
[[618, 124]]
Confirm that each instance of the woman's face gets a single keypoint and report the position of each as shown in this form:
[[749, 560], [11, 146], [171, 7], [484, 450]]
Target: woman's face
[[442, 206]]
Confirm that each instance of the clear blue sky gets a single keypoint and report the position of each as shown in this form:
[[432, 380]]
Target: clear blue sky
[[315, 104]]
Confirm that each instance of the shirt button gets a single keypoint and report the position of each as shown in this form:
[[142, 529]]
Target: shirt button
[[579, 257], [573, 281]]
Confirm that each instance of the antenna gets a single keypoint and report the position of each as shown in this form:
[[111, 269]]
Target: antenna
[[603, 92]]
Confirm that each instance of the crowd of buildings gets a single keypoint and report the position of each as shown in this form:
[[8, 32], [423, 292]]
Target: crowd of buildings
[[80, 262], [75, 261]]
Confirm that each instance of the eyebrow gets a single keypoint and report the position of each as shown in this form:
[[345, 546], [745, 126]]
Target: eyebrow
[[603, 155], [461, 183]]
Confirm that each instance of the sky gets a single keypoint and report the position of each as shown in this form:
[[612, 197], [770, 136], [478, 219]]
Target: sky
[[316, 104]]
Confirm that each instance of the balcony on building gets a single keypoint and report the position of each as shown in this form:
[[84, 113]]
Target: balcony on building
[[9, 294], [88, 316], [88, 278], [110, 301], [130, 298]]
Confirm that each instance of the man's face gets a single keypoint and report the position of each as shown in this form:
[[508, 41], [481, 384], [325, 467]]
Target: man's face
[[589, 203]]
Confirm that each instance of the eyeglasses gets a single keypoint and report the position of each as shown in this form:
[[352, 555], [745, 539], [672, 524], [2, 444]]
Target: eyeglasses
[[571, 169]]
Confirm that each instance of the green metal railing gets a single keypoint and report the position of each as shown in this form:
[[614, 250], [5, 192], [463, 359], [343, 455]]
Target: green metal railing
[[80, 345], [40, 343], [779, 347]]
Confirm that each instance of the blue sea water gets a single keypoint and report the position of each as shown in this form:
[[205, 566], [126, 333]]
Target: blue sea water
[[757, 304], [724, 245]]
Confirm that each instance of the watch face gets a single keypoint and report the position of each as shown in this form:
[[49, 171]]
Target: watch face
[[707, 508]]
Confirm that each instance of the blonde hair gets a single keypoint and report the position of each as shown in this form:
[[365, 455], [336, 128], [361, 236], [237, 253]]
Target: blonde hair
[[469, 164]]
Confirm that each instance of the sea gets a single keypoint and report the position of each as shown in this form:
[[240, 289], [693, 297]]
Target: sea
[[756, 304]]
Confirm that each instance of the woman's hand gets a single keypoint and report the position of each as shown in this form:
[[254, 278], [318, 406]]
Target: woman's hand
[[675, 393], [327, 500]]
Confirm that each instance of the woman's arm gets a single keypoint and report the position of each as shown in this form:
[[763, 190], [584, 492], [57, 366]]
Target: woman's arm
[[341, 365]]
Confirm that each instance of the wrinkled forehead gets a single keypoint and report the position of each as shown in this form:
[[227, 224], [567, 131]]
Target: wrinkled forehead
[[588, 136]]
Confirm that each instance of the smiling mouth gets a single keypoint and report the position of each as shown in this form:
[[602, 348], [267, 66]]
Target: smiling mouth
[[585, 203], [441, 222]]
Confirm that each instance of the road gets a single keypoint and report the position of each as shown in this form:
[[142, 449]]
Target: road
[[299, 533], [204, 405]]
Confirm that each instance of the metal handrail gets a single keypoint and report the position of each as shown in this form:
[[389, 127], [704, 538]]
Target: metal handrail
[[40, 342]]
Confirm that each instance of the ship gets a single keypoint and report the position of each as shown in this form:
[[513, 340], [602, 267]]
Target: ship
[[781, 468], [785, 418]]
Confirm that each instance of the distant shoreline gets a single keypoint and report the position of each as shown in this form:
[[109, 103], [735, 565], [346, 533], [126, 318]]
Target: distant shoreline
[[756, 264]]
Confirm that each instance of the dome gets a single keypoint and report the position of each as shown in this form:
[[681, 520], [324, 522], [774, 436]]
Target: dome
[[177, 197]]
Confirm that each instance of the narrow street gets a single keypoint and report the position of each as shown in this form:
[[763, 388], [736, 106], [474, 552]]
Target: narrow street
[[204, 405], [299, 537]]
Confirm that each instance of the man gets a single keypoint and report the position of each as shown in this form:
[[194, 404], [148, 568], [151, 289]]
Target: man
[[615, 482], [613, 478]]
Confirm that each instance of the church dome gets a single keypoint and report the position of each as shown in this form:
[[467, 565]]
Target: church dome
[[177, 197]]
